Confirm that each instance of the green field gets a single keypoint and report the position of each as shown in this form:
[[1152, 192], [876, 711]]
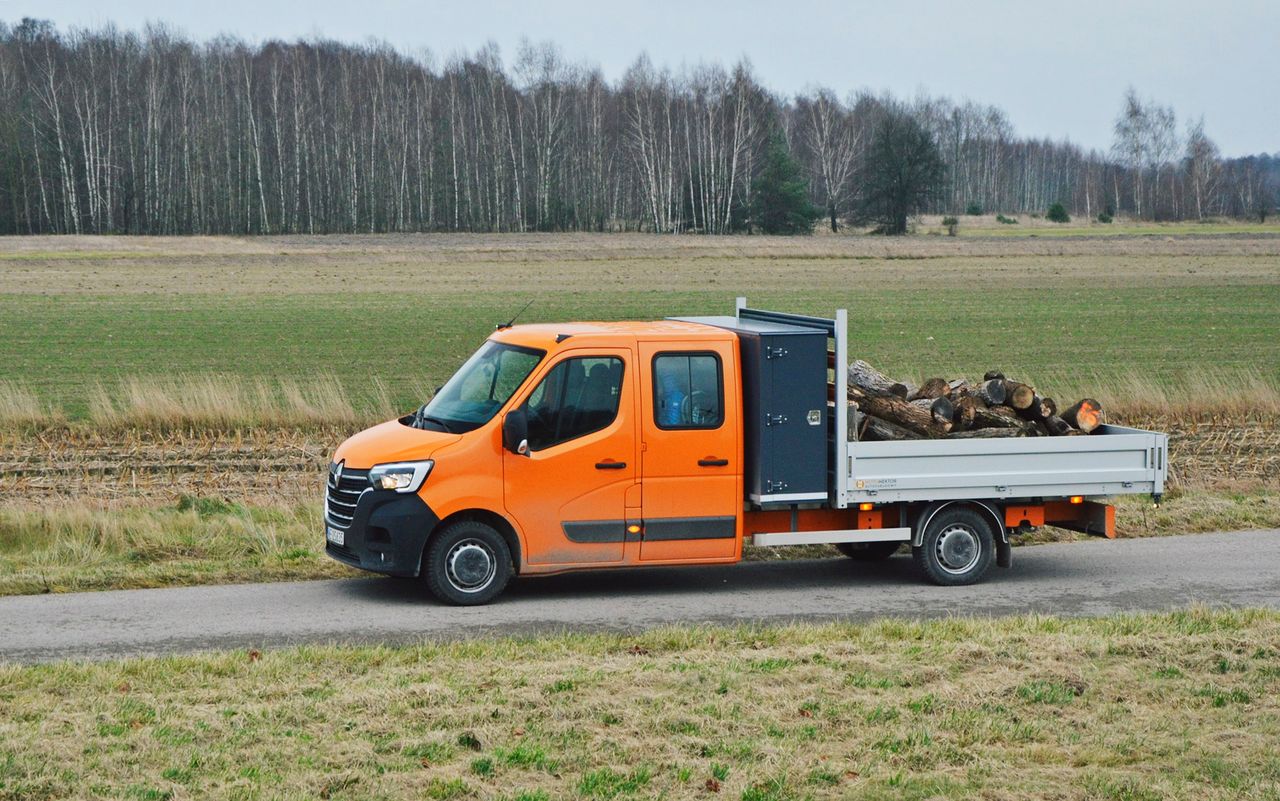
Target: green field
[[1178, 706], [1167, 310]]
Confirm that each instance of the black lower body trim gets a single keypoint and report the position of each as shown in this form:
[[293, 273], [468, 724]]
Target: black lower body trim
[[690, 528], [595, 531], [387, 534]]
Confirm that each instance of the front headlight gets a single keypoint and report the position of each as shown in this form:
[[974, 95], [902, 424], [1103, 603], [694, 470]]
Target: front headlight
[[401, 476]]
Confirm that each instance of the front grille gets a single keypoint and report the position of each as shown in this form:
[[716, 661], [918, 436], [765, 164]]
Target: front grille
[[340, 497]]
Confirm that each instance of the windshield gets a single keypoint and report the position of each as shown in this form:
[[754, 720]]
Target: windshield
[[480, 387]]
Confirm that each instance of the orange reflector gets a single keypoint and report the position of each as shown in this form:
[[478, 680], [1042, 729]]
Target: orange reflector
[[1077, 499], [633, 529], [866, 507]]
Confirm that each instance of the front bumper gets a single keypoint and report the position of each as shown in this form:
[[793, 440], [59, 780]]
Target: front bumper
[[387, 534]]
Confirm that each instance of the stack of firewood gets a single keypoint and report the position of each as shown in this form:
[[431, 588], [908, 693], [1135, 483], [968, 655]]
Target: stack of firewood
[[996, 406]]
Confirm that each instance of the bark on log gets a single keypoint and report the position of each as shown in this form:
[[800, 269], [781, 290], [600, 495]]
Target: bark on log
[[932, 388], [1018, 396], [960, 386], [1040, 409], [1085, 414], [942, 409], [896, 410], [965, 409], [996, 417], [985, 433], [876, 430], [1057, 426], [992, 392], [866, 377]]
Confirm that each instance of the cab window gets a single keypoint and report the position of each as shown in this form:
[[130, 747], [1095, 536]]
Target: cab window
[[579, 396], [688, 390]]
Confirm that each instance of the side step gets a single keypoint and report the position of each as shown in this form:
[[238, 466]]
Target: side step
[[839, 535]]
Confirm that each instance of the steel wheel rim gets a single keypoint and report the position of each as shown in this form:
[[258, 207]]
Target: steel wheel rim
[[470, 566], [958, 549]]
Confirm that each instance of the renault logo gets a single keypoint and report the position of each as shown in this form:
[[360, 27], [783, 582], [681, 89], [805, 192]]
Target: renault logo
[[335, 473]]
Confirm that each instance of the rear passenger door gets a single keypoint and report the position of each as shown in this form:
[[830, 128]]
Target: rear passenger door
[[691, 462]]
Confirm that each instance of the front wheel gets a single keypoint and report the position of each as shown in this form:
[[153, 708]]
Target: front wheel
[[958, 547], [467, 564]]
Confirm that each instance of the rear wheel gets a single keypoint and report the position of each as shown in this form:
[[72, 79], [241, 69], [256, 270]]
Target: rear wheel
[[958, 547], [467, 564], [868, 551]]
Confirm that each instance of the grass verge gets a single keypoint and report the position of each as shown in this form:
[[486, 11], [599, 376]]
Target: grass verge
[[1179, 705], [210, 541]]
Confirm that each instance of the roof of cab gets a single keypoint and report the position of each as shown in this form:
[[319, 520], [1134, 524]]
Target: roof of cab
[[543, 335]]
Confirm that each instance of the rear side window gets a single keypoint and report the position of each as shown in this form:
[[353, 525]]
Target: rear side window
[[688, 390], [579, 396]]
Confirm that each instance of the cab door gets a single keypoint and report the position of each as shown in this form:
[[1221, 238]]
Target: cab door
[[691, 472], [568, 494]]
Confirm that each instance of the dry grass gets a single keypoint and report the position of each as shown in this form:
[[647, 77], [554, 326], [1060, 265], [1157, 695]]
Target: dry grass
[[1128, 708], [221, 403], [69, 546], [72, 548], [216, 403], [20, 408], [453, 265]]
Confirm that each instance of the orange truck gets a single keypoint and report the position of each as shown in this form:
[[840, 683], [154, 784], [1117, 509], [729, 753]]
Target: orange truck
[[570, 446]]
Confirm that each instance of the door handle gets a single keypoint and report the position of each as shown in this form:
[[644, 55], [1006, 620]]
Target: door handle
[[713, 462], [610, 465]]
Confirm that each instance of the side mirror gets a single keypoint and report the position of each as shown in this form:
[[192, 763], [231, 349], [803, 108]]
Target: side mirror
[[515, 432]]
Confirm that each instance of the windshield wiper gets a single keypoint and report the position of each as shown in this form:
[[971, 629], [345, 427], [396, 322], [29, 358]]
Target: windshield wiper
[[438, 422]]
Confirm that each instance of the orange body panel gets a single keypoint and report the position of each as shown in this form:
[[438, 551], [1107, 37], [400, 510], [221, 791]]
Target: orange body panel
[[1089, 517], [473, 472], [1015, 516]]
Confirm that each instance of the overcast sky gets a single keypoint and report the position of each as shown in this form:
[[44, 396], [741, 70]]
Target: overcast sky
[[1058, 69]]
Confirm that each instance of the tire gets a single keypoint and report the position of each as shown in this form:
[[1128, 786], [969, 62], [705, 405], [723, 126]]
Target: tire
[[868, 551], [467, 564], [958, 547]]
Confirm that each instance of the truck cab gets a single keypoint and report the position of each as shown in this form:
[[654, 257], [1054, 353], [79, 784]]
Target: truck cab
[[578, 445], [561, 447]]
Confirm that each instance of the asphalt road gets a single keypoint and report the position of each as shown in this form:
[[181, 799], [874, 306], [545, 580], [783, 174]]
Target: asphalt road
[[1086, 578]]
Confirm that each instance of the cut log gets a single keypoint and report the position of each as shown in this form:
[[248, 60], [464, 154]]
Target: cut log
[[1057, 426], [1039, 409], [996, 417], [993, 375], [932, 388], [1085, 414], [992, 392], [876, 430], [960, 386], [965, 408], [1018, 395], [866, 377], [984, 433], [896, 410]]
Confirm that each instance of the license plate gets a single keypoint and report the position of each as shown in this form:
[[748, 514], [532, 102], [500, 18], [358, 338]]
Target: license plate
[[335, 535]]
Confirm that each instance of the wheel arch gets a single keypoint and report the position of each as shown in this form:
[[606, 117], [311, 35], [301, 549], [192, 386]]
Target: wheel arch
[[986, 508], [491, 519]]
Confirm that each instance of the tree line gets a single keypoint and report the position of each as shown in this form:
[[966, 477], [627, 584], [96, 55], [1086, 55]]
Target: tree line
[[110, 131]]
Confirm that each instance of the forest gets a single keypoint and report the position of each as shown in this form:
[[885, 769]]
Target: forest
[[113, 131]]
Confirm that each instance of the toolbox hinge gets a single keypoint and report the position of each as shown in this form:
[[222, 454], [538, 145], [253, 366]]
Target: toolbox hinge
[[775, 419]]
